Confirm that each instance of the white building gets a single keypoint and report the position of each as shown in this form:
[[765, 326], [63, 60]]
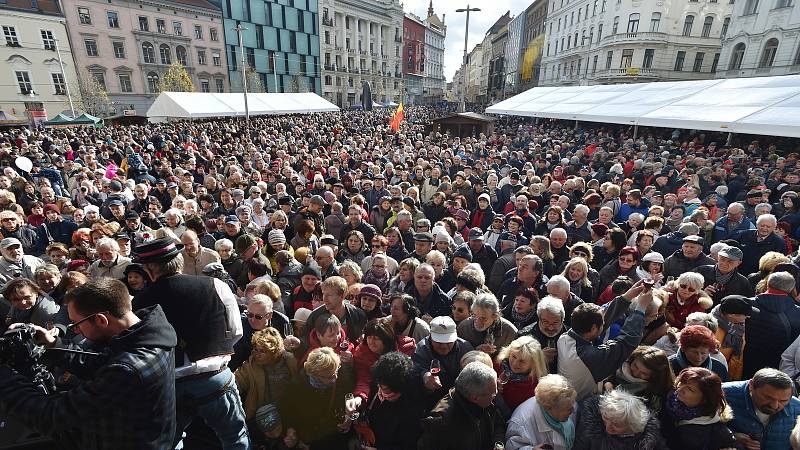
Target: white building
[[34, 86], [625, 41], [361, 40], [763, 39], [433, 84]]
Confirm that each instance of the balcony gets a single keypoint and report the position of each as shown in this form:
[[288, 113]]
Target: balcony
[[329, 67], [351, 50], [629, 75], [635, 37]]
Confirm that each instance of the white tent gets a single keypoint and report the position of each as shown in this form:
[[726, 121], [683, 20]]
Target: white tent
[[762, 105], [185, 105]]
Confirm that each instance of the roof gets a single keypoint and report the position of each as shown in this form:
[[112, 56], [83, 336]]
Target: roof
[[35, 6], [467, 115], [760, 105], [198, 4], [196, 104], [501, 22]]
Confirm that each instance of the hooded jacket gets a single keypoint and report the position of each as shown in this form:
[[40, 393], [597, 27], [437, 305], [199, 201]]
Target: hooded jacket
[[129, 402]]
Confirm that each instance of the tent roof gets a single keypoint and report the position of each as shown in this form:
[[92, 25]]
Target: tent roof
[[198, 105], [86, 119], [59, 119], [762, 105]]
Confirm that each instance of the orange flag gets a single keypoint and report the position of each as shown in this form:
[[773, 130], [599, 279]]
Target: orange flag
[[397, 118]]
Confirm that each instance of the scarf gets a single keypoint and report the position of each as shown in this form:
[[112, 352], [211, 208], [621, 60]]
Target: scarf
[[565, 429], [722, 279], [576, 287], [680, 410], [317, 384], [522, 318], [628, 382], [510, 375], [734, 332]]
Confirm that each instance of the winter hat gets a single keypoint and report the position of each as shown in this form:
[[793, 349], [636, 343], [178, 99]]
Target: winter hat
[[51, 207], [276, 237], [372, 291], [463, 251]]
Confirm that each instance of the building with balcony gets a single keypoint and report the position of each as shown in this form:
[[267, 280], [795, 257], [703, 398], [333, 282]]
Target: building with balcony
[[532, 45], [763, 38], [433, 84], [361, 40], [626, 41], [128, 45], [281, 44], [34, 85]]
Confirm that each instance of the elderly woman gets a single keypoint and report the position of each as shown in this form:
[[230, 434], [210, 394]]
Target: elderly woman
[[47, 277], [173, 219], [577, 272], [617, 420], [695, 346], [443, 276], [486, 330], [232, 262], [519, 367], [522, 311], [686, 296], [624, 264], [351, 271], [651, 268], [647, 374], [29, 304], [378, 273], [265, 376], [312, 409], [546, 419], [405, 317], [405, 275]]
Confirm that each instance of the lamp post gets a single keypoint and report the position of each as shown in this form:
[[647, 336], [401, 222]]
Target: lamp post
[[463, 105], [64, 76], [239, 28]]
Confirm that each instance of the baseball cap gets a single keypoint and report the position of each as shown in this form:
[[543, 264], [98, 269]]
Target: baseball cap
[[301, 315], [9, 242], [443, 330], [231, 219], [732, 253]]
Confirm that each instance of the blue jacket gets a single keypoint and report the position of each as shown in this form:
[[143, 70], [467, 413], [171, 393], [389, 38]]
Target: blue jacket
[[625, 210], [775, 436], [669, 243], [721, 228]]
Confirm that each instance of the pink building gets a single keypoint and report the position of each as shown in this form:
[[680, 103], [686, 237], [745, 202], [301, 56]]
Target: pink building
[[127, 46]]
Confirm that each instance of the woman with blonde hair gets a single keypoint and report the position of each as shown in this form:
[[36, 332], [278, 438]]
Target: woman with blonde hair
[[547, 418], [766, 265], [519, 366], [577, 272]]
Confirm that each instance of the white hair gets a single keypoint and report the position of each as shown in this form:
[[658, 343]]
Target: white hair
[[558, 231], [227, 243], [582, 208], [261, 299], [559, 282], [552, 305], [765, 217], [107, 242], [486, 301], [175, 212], [624, 408], [474, 379]]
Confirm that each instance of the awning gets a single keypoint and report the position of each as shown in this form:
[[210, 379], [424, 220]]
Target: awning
[[199, 105]]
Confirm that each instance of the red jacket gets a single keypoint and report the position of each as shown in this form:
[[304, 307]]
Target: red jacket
[[313, 342], [364, 359], [516, 392]]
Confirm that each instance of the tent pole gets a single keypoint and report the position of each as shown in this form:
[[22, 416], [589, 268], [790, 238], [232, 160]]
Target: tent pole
[[730, 139], [576, 124], [635, 131], [239, 28]]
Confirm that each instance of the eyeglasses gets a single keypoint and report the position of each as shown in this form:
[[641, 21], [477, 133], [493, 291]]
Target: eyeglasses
[[690, 289], [72, 326], [630, 260], [256, 316]]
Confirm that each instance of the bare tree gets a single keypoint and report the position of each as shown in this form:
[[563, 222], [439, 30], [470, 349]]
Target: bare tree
[[94, 98], [176, 79], [254, 82]]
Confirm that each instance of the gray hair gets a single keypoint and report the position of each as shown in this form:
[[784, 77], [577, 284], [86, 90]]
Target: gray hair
[[559, 282], [524, 249], [223, 243], [404, 215], [689, 228], [704, 319], [474, 379], [108, 243], [782, 281], [582, 208], [692, 279], [553, 390], [771, 377], [261, 299], [552, 305], [354, 268], [622, 407], [637, 216], [765, 217], [716, 247], [558, 231], [174, 212], [488, 302], [735, 206], [766, 207], [46, 269]]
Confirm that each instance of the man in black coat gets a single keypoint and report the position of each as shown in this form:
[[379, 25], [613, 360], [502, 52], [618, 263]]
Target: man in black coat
[[481, 253], [756, 243], [723, 278]]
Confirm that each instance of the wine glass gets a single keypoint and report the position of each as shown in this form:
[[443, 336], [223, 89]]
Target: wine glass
[[499, 446], [503, 378], [288, 330], [344, 345], [436, 367], [489, 338]]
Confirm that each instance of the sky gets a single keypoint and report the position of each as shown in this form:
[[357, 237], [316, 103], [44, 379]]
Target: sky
[[479, 23]]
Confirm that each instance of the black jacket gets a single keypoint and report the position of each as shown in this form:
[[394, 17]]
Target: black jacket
[[590, 432], [128, 402], [738, 284], [458, 424], [677, 264], [27, 236]]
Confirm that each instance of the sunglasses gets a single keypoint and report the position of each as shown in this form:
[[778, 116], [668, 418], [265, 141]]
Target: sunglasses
[[255, 316], [72, 326], [690, 289]]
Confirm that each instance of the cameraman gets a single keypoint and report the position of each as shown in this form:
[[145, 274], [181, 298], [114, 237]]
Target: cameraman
[[127, 401]]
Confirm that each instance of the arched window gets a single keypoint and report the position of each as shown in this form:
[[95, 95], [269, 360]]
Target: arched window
[[148, 53], [152, 82], [633, 23], [616, 25], [655, 22], [687, 25], [180, 55], [707, 23], [737, 56], [166, 55], [768, 54]]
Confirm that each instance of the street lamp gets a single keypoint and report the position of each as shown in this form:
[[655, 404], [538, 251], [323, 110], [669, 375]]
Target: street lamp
[[463, 105], [239, 28]]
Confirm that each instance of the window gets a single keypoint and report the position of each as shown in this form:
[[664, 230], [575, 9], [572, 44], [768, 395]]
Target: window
[[58, 83], [594, 64], [48, 41], [100, 78], [24, 82], [751, 7], [707, 26], [180, 55], [113, 19], [205, 86], [125, 82], [737, 56], [161, 26], [119, 49], [212, 32], [609, 57], [655, 21], [152, 82], [783, 3], [177, 27], [768, 54], [725, 23], [10, 33], [84, 16], [91, 47], [687, 25], [251, 56], [599, 32], [198, 32], [603, 7], [201, 57], [260, 36], [166, 54], [715, 63], [615, 27], [144, 23], [627, 58], [327, 80], [148, 53], [679, 61], [220, 84], [633, 23], [647, 62], [216, 59], [698, 62]]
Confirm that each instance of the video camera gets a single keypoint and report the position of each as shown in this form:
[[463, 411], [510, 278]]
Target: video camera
[[19, 350]]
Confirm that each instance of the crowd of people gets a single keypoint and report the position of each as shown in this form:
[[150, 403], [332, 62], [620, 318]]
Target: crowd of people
[[322, 282]]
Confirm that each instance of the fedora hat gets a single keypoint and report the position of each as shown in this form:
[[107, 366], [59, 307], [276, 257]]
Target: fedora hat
[[158, 250]]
